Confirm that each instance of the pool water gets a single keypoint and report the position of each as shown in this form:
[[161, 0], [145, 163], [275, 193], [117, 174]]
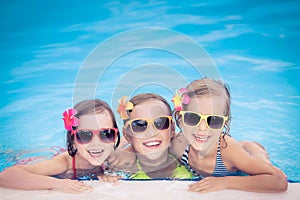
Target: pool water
[[49, 64]]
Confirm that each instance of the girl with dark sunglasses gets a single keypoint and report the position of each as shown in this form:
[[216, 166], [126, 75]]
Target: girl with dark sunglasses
[[202, 112], [149, 128], [92, 135]]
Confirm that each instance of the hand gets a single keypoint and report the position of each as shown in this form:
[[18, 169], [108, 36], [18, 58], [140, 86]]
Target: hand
[[110, 179], [122, 159], [71, 186], [209, 184]]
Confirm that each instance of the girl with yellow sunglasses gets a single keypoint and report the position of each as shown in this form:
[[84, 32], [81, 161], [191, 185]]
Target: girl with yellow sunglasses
[[202, 112]]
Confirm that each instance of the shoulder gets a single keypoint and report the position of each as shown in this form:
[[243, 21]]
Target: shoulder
[[230, 149], [63, 158], [227, 142]]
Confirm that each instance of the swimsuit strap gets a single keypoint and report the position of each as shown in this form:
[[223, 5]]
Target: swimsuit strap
[[138, 164], [219, 146], [74, 167], [185, 160], [139, 174], [181, 172], [220, 168]]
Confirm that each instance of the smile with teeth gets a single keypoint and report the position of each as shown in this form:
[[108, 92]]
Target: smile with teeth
[[152, 144], [201, 138], [96, 153]]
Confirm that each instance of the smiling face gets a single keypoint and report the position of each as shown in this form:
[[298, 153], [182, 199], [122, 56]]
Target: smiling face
[[96, 151], [202, 138], [153, 142]]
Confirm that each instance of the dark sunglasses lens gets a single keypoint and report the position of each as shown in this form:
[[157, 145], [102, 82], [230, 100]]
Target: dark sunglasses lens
[[84, 136], [191, 119], [139, 126], [162, 123], [215, 122], [108, 135]]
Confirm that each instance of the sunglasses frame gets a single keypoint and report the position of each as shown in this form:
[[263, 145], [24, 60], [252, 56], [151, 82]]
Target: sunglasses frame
[[203, 117], [148, 120], [97, 132]]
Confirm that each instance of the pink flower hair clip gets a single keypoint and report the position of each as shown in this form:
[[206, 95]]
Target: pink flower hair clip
[[180, 98], [124, 106], [70, 120]]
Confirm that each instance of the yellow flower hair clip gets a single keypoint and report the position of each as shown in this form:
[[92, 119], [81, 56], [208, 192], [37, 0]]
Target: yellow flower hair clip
[[180, 98], [124, 107]]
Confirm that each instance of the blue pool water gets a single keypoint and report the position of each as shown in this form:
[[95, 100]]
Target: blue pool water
[[100, 50]]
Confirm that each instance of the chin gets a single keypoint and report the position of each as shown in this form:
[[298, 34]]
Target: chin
[[98, 161], [155, 154], [95, 162]]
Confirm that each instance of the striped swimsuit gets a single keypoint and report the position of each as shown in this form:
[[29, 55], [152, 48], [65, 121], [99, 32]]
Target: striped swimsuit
[[220, 168]]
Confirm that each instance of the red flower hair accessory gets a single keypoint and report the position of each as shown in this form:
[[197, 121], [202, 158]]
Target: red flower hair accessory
[[69, 119]]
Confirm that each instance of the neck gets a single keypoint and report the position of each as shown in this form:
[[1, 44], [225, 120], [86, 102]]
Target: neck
[[154, 164], [202, 154], [82, 163]]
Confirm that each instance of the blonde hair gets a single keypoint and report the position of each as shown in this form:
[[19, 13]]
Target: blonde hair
[[210, 87]]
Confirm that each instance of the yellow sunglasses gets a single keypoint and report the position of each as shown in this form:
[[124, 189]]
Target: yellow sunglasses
[[192, 119], [140, 125]]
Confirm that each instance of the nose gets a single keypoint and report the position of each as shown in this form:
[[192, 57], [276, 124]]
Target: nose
[[96, 141], [202, 126], [151, 130]]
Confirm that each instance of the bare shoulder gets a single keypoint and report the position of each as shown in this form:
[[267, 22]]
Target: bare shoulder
[[227, 143], [63, 158], [231, 149]]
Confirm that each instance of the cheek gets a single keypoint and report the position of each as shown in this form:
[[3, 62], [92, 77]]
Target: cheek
[[166, 136], [136, 141], [108, 147], [81, 149], [189, 130], [137, 145]]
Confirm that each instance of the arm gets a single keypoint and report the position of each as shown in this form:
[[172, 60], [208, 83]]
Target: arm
[[255, 149], [122, 159], [178, 145], [36, 176], [258, 151], [263, 177]]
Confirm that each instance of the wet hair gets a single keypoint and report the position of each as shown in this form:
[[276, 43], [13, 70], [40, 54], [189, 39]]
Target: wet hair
[[93, 106], [209, 87]]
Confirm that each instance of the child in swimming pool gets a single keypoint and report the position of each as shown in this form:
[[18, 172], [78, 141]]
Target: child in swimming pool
[[92, 135], [149, 128], [202, 112]]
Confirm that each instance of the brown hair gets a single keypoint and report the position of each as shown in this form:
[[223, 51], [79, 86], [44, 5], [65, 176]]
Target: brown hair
[[140, 98], [89, 107], [209, 87]]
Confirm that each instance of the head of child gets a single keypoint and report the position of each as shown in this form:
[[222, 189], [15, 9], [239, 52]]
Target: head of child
[[92, 131], [149, 128], [205, 115]]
